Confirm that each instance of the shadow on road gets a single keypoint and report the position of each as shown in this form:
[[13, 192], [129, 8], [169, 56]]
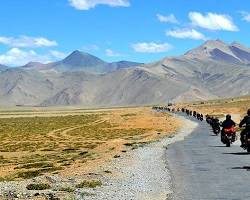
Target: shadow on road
[[238, 153], [244, 167], [218, 146]]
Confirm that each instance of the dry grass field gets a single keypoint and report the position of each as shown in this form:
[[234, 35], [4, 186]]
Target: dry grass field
[[34, 142]]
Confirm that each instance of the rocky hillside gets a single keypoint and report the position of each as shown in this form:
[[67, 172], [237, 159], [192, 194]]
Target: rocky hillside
[[212, 70]]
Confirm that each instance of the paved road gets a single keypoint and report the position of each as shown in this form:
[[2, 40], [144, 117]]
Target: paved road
[[204, 169]]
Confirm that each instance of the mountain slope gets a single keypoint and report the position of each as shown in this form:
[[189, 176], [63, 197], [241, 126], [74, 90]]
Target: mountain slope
[[212, 70], [135, 86], [220, 51], [23, 87], [3, 67], [219, 78], [242, 52], [80, 61]]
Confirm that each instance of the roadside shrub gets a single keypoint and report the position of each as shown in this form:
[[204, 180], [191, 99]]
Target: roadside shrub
[[38, 186], [28, 174], [35, 165], [66, 189], [89, 184]]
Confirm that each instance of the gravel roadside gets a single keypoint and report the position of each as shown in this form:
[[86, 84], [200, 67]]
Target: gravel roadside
[[142, 173]]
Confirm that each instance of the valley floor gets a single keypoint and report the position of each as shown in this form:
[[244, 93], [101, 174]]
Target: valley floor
[[70, 150], [95, 154]]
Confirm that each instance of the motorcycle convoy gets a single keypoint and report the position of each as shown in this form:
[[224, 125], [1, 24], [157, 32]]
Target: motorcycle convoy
[[227, 128], [228, 132]]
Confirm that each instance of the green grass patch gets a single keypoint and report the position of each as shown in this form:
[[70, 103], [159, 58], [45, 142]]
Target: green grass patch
[[89, 184], [34, 173], [35, 165], [38, 186], [129, 115], [66, 189]]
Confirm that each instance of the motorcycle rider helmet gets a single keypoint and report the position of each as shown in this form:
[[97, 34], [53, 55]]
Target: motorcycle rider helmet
[[228, 116], [248, 112]]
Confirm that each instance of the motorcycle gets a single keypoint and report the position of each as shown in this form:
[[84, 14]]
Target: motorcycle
[[246, 139], [208, 120], [229, 136], [216, 130]]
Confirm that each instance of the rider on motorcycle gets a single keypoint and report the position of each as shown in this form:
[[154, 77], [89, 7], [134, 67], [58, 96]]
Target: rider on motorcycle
[[201, 117], [216, 124], [245, 121], [227, 124]]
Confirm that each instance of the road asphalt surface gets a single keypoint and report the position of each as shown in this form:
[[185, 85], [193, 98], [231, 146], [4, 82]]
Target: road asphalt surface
[[203, 168]]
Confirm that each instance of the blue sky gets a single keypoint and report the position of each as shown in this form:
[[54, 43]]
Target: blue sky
[[137, 30]]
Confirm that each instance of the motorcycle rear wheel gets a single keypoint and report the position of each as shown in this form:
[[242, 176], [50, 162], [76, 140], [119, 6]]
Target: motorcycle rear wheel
[[248, 149]]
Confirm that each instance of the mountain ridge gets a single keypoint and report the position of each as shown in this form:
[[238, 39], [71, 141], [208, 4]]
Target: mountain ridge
[[81, 61], [219, 50], [200, 74]]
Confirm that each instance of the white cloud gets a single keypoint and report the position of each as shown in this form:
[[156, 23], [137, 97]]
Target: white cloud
[[88, 4], [186, 34], [168, 19], [245, 16], [213, 21], [91, 47], [26, 41], [58, 54], [111, 53], [151, 47], [18, 57]]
